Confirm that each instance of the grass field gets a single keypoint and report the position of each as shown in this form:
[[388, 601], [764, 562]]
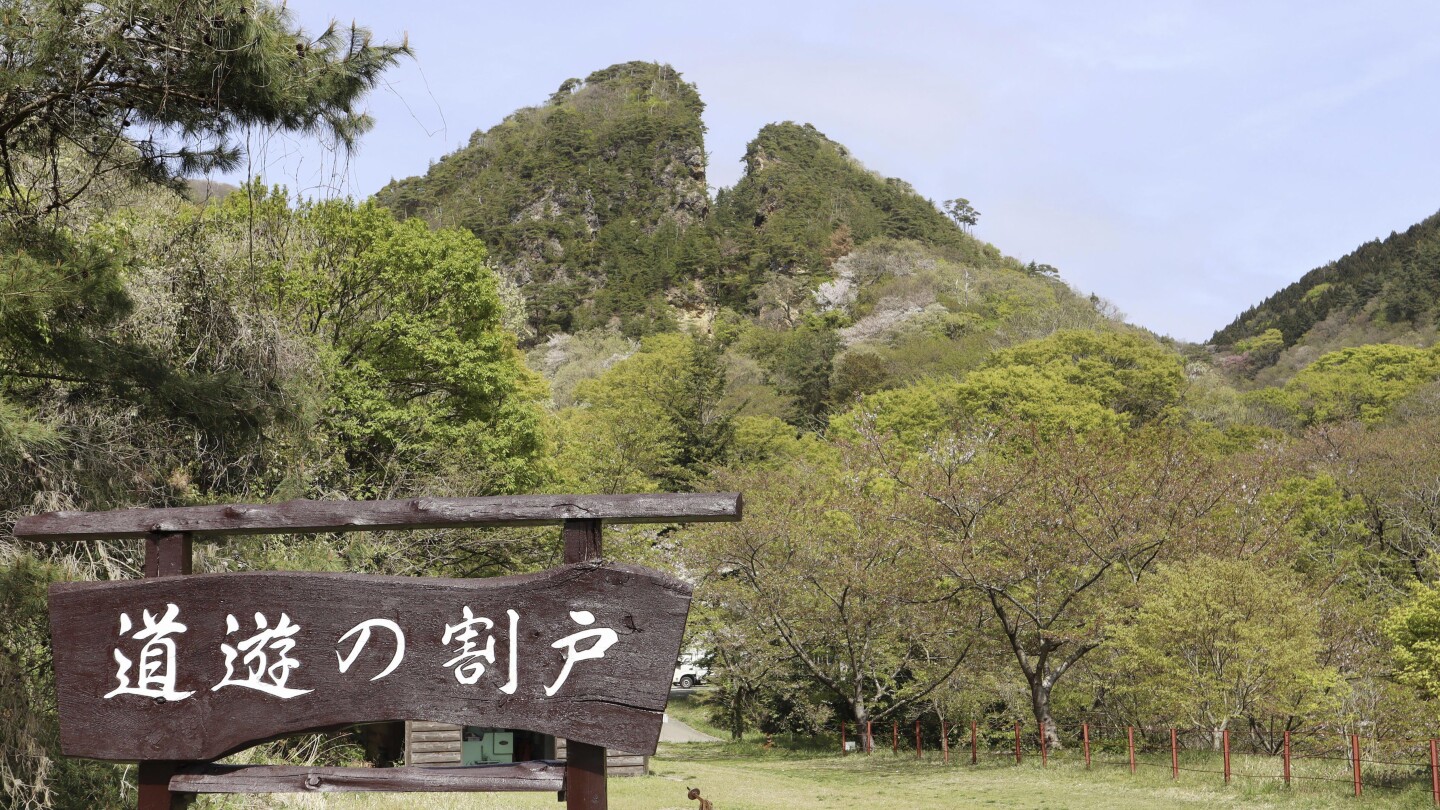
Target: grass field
[[745, 776], [751, 780]]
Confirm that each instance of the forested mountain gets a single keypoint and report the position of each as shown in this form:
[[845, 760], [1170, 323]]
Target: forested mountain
[[819, 279], [595, 205], [804, 201], [588, 202], [1386, 291]]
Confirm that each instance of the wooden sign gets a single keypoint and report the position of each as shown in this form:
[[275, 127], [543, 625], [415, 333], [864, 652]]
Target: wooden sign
[[196, 667]]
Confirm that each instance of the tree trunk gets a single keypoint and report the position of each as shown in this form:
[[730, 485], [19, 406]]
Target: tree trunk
[[862, 721], [1040, 687], [737, 713], [1217, 733]]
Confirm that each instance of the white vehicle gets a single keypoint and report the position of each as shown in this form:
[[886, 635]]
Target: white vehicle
[[689, 671]]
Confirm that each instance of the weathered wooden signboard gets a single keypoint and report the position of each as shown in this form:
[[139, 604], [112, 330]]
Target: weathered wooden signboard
[[175, 670], [196, 667]]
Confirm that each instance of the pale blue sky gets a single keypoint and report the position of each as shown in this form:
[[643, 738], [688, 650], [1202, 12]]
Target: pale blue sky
[[1183, 160]]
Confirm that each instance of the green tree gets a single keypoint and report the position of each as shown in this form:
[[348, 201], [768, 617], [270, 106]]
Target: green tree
[[799, 363], [158, 89], [822, 566], [652, 421], [1072, 381], [1360, 382], [1413, 629], [1261, 350], [1219, 641], [1124, 371], [1047, 531], [962, 212], [421, 373]]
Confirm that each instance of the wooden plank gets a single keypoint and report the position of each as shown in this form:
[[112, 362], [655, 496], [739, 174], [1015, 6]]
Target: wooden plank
[[426, 725], [441, 758], [433, 747], [435, 736], [215, 704], [626, 770], [527, 776], [302, 516]]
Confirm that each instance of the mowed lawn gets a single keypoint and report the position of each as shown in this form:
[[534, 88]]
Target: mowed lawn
[[742, 778]]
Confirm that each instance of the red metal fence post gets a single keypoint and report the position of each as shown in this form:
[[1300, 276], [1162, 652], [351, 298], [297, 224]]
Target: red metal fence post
[[1044, 749], [974, 743], [869, 736], [1225, 742], [945, 740], [1130, 735], [917, 738], [1287, 759], [842, 738], [895, 736], [1355, 759], [1017, 742], [1174, 756], [1434, 772], [1085, 735]]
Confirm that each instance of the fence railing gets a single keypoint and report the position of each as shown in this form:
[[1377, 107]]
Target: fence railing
[[1352, 759]]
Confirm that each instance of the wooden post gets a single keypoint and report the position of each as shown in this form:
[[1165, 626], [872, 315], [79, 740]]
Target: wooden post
[[917, 738], [1355, 760], [974, 743], [1434, 772], [1130, 735], [1174, 757], [166, 555], [869, 735], [895, 737], [945, 741], [1044, 749], [154, 779], [1017, 742], [585, 787], [842, 738], [1085, 736], [1225, 744], [1287, 759]]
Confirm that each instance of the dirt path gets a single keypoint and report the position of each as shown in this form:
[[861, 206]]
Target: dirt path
[[674, 731]]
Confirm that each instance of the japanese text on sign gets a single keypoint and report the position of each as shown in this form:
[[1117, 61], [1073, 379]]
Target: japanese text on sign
[[265, 659]]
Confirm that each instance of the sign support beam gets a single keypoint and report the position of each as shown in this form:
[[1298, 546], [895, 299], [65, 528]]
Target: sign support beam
[[585, 786], [166, 555]]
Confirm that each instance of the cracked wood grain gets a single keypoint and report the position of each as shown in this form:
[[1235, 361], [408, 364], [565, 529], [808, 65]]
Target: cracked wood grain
[[302, 516], [615, 701]]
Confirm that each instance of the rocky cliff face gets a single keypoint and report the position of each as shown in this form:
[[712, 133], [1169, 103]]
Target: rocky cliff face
[[595, 207], [586, 200]]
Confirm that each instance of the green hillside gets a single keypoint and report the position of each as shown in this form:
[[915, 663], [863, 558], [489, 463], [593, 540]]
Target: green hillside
[[586, 201], [804, 201], [1386, 291], [594, 205]]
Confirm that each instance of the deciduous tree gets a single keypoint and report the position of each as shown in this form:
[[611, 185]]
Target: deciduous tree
[[821, 565]]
